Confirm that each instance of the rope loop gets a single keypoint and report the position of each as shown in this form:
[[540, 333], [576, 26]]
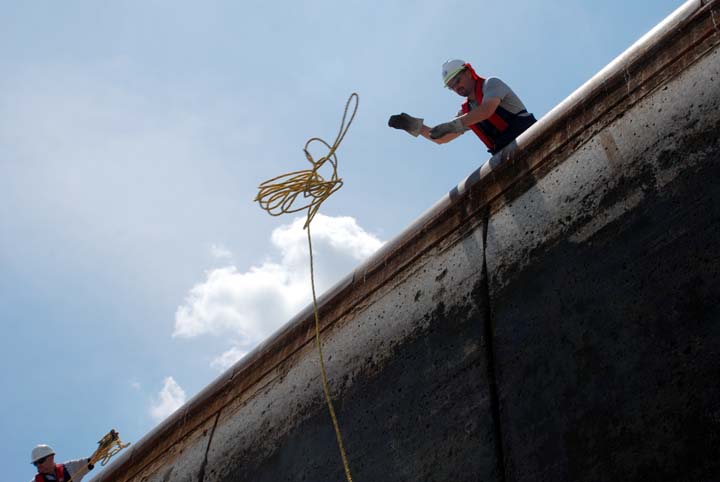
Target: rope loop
[[278, 195], [108, 446]]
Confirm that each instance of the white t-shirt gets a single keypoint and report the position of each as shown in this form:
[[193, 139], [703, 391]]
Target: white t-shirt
[[494, 87]]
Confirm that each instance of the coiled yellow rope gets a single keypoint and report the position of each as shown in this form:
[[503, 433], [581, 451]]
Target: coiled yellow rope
[[278, 195], [108, 446]]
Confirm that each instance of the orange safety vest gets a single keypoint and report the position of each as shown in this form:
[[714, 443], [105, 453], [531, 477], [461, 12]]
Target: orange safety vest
[[489, 130], [59, 474]]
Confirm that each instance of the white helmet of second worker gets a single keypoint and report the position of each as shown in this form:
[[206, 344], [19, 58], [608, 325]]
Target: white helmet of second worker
[[41, 451], [451, 68]]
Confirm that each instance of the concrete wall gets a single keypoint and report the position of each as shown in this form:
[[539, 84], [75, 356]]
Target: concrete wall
[[555, 317], [605, 291]]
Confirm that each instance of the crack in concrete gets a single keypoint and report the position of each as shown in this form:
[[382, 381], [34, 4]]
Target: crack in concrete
[[628, 78], [201, 475], [490, 358]]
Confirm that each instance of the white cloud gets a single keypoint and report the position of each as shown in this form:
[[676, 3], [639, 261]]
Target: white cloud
[[135, 385], [170, 398], [228, 359], [251, 305], [220, 252]]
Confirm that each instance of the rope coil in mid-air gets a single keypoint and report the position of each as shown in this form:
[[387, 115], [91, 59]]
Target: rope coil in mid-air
[[278, 195]]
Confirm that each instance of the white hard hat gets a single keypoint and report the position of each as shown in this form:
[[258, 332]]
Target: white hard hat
[[41, 451], [451, 68]]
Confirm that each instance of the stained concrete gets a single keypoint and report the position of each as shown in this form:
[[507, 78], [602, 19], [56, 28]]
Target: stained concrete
[[605, 299], [410, 372]]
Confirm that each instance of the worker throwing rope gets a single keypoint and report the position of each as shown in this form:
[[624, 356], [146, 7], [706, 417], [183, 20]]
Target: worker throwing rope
[[491, 110], [309, 189]]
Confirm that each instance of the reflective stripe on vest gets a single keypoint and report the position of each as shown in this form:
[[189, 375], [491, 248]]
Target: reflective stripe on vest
[[59, 474]]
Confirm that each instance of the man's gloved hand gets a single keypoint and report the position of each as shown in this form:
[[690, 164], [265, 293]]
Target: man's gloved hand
[[440, 130], [408, 123]]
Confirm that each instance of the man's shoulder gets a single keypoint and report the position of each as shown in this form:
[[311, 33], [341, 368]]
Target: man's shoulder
[[74, 465], [494, 82], [495, 87]]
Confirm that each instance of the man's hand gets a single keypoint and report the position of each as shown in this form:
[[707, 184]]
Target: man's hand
[[412, 125], [441, 130]]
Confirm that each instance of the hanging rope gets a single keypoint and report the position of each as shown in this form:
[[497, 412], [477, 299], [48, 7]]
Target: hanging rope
[[278, 195], [108, 446]]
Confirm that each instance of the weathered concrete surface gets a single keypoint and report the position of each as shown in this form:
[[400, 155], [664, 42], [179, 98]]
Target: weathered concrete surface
[[605, 297], [606, 316], [412, 375], [555, 317]]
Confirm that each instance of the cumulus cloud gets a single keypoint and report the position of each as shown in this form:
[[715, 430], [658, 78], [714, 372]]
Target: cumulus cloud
[[250, 305], [170, 398]]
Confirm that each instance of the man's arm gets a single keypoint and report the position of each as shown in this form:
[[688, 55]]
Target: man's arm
[[78, 468], [461, 123], [425, 132], [486, 108], [415, 127]]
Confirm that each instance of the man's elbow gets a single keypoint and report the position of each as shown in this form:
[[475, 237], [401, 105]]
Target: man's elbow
[[447, 138], [441, 140]]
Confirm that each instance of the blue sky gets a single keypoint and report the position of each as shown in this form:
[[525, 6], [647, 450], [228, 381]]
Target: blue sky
[[134, 265]]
